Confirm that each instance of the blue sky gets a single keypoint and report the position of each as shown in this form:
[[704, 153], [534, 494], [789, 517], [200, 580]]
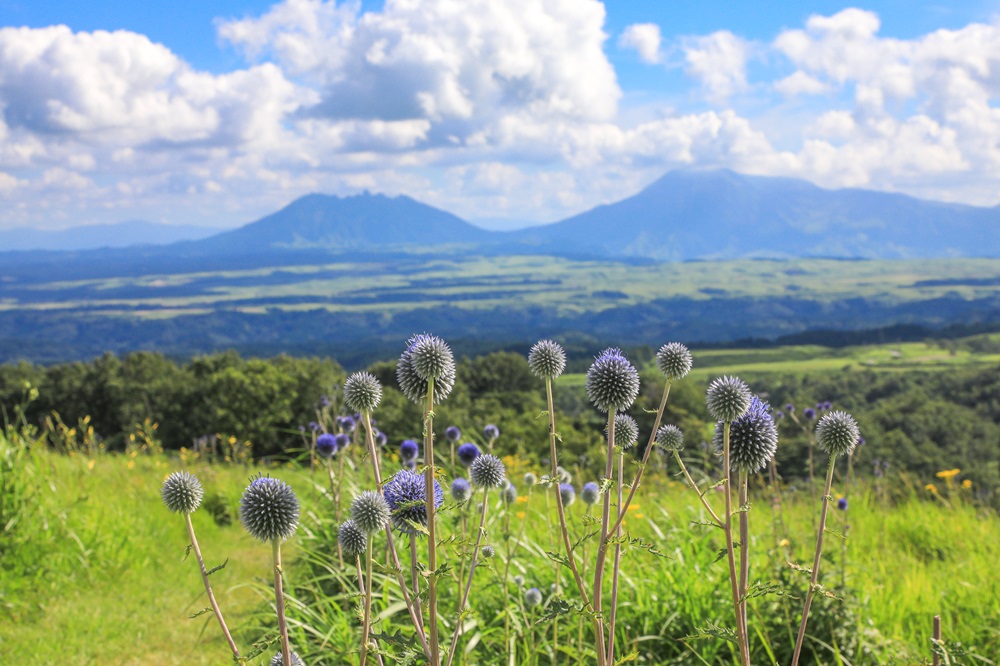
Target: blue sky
[[216, 113]]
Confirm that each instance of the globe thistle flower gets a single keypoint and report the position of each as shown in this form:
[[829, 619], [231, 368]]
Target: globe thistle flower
[[861, 441], [790, 408], [509, 493], [467, 453], [728, 398], [530, 479], [343, 441], [753, 438], [842, 504], [182, 492], [269, 509], [488, 552], [562, 475], [324, 401], [276, 660], [381, 439], [409, 450], [532, 597], [674, 361], [491, 431], [590, 493], [568, 493], [326, 445], [435, 362], [518, 580], [406, 496], [313, 426], [546, 359], [612, 382], [626, 431], [460, 490], [351, 539], [670, 438], [487, 471], [347, 424], [778, 415], [809, 413], [837, 433], [362, 392], [452, 433], [370, 512]]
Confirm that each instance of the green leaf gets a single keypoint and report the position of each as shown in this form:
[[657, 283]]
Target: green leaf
[[713, 631], [201, 612], [218, 568], [631, 656]]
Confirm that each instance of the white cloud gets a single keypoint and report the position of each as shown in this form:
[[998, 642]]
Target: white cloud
[[718, 61], [800, 83], [645, 39]]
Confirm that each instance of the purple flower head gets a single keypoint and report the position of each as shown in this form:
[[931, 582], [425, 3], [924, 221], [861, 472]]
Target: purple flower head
[[568, 493], [326, 445], [324, 401], [861, 441], [409, 450], [753, 438], [406, 496], [343, 441], [612, 382], [809, 413], [356, 416], [347, 424], [491, 432], [452, 433], [381, 439], [302, 428], [790, 408], [820, 406], [842, 504], [460, 490], [778, 414], [467, 453], [313, 426]]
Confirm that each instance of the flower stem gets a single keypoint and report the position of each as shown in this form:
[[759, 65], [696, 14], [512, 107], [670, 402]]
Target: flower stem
[[744, 556], [602, 544], [617, 565], [208, 587], [468, 584], [361, 586], [279, 601], [431, 532], [366, 631], [694, 487], [816, 560], [730, 550]]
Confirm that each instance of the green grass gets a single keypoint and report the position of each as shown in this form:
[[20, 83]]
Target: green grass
[[101, 577]]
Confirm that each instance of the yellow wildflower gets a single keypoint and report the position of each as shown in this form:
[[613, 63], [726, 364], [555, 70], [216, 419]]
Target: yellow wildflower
[[948, 473], [520, 515], [639, 515], [633, 507], [90, 465], [930, 487], [784, 543], [131, 464], [967, 483]]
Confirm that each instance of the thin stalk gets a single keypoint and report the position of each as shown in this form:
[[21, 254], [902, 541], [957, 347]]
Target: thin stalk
[[847, 518], [431, 531], [730, 550], [744, 555], [617, 566], [694, 487], [279, 600], [208, 587], [602, 545], [361, 586], [391, 546], [334, 497], [468, 584], [368, 603], [415, 577], [461, 564], [561, 510], [816, 560], [650, 445], [506, 570]]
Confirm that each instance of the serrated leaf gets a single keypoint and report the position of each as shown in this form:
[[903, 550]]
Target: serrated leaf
[[218, 568], [707, 523], [605, 486], [556, 608], [835, 533], [631, 656], [558, 557], [713, 631], [201, 612], [761, 589], [584, 538], [187, 551], [799, 568]]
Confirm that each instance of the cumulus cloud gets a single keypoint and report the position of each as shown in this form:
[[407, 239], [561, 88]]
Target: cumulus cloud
[[719, 62], [645, 39]]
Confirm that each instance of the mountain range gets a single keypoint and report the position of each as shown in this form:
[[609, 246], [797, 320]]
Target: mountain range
[[94, 236], [685, 215]]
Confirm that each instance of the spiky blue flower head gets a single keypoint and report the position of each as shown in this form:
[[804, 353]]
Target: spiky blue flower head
[[326, 445], [530, 479], [728, 398], [590, 493], [407, 499], [674, 361], [487, 471], [370, 512], [409, 450], [491, 431], [467, 453], [753, 438], [313, 426], [809, 413], [562, 475], [546, 359], [842, 504], [276, 660], [182, 492], [351, 539], [269, 509], [452, 433], [837, 433], [518, 580], [626, 431], [488, 552], [347, 424], [790, 408], [343, 441], [612, 382], [568, 493], [381, 439], [532, 597], [670, 438], [460, 490], [436, 360], [509, 493], [362, 392]]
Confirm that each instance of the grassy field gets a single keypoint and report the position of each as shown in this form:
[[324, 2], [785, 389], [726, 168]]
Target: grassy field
[[111, 585]]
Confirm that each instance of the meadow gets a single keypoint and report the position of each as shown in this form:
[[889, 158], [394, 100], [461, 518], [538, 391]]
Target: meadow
[[90, 554]]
